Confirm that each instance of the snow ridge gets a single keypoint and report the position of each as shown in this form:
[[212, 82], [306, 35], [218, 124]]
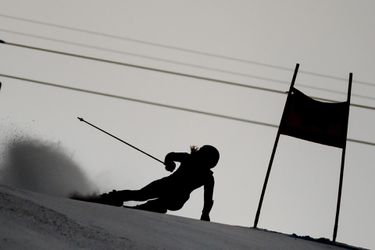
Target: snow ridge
[[37, 221], [41, 223]]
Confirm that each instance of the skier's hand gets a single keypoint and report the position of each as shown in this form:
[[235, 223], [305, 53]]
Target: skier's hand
[[206, 210], [169, 162], [205, 217], [170, 166]]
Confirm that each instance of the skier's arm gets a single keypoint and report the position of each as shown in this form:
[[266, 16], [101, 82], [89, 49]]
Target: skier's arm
[[170, 159], [208, 198]]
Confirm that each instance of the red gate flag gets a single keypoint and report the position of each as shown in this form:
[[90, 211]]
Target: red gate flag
[[315, 121]]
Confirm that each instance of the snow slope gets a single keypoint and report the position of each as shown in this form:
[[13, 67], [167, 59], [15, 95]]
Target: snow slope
[[34, 221]]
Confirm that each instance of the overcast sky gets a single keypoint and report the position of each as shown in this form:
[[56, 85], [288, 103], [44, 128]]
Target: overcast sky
[[330, 38]]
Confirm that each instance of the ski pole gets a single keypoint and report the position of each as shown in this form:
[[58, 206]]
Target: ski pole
[[92, 125]]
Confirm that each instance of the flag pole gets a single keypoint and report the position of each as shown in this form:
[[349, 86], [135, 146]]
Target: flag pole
[[342, 164], [273, 154]]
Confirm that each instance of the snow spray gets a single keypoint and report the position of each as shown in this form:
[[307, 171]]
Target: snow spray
[[42, 167]]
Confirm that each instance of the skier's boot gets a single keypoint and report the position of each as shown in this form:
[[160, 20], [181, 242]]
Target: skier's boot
[[112, 198]]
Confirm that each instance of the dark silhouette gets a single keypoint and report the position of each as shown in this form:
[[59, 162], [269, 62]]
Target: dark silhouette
[[171, 192]]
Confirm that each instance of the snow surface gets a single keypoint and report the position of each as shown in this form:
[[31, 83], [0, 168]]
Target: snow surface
[[31, 220]]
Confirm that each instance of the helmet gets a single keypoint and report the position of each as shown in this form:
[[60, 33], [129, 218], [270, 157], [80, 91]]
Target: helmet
[[209, 155]]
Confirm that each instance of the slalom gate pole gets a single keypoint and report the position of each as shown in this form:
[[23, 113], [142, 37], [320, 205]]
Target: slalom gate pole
[[92, 125]]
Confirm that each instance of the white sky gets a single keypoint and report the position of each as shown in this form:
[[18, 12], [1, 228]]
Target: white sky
[[327, 37]]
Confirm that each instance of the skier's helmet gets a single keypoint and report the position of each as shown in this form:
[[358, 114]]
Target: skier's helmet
[[209, 155]]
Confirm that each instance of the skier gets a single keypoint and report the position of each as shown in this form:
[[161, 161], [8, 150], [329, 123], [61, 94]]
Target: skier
[[171, 192]]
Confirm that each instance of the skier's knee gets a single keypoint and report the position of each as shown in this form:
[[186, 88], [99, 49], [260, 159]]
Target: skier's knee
[[153, 206], [175, 205]]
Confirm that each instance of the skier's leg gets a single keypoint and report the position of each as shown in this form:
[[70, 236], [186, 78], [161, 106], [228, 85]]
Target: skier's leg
[[161, 205], [156, 205], [153, 190]]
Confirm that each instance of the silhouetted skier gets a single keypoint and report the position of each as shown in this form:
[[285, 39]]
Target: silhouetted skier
[[171, 192]]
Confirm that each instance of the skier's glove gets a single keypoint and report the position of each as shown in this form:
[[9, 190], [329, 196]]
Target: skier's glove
[[206, 210], [205, 217], [170, 166]]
